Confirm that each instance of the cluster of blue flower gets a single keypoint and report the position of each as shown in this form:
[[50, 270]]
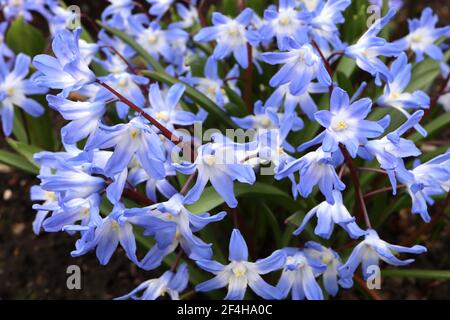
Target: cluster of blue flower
[[108, 154]]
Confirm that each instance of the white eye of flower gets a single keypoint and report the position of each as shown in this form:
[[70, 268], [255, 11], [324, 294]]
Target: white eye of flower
[[239, 270], [265, 122], [115, 226], [212, 89], [85, 212], [162, 115], [122, 82], [134, 133], [284, 19], [209, 159], [327, 257], [152, 39], [394, 95], [340, 125], [16, 3], [233, 31], [10, 91]]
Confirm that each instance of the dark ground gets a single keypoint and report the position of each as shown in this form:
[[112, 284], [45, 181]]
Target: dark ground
[[34, 267]]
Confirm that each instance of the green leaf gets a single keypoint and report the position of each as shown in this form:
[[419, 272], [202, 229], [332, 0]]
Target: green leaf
[[41, 129], [132, 43], [420, 274], [25, 150], [424, 73], [18, 128], [17, 161], [195, 95], [210, 199], [25, 38]]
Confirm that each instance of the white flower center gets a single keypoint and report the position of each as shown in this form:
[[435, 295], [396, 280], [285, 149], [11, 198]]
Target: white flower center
[[162, 115], [239, 270], [209, 159], [152, 39], [134, 133], [340, 125], [115, 226]]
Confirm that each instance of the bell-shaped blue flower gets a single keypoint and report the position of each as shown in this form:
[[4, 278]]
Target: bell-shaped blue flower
[[14, 89], [67, 70], [367, 50], [423, 35], [134, 138], [170, 283], [240, 273], [394, 95], [299, 276], [301, 65], [345, 123], [371, 250], [330, 214], [231, 35]]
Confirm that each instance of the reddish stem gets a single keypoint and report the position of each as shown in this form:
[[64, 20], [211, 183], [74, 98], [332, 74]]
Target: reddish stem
[[357, 184], [249, 80]]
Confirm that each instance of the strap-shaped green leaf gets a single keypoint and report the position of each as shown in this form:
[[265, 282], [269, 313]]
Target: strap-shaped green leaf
[[17, 161]]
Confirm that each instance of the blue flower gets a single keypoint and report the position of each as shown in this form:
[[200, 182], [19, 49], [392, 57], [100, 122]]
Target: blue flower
[[231, 36], [266, 118], [175, 227], [114, 229], [371, 250], [13, 9], [50, 203], [134, 138], [316, 168], [159, 7], [330, 214], [393, 4], [345, 123], [325, 16], [423, 35], [156, 41], [71, 179], [68, 71], [169, 282], [367, 50], [137, 175], [189, 16], [14, 89], [282, 96], [117, 13], [217, 162], [4, 50], [424, 181], [331, 278], [85, 116], [394, 95], [299, 276], [129, 85], [166, 109], [212, 85], [76, 210], [285, 23], [301, 65], [392, 148], [240, 273]]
